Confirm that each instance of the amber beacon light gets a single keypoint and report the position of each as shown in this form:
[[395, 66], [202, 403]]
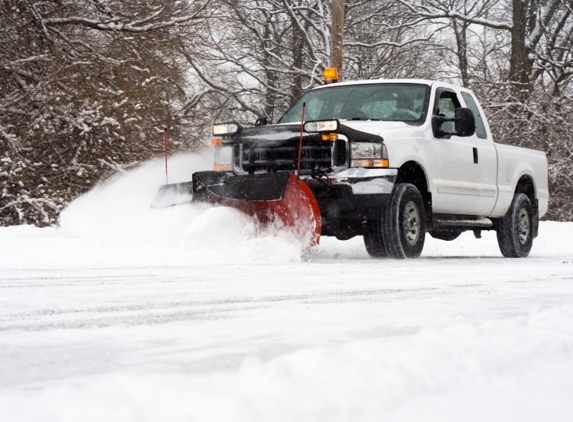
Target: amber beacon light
[[330, 75]]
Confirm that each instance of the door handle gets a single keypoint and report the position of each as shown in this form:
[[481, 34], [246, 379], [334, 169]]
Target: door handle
[[475, 155]]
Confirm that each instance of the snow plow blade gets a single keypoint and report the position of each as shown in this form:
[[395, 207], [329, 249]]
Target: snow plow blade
[[173, 194], [271, 197]]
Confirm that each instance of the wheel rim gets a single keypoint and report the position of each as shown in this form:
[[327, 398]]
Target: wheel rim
[[523, 226], [411, 223]]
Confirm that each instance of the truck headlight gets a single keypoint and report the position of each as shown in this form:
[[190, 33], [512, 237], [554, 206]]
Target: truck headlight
[[226, 129], [368, 154], [223, 156], [322, 126]]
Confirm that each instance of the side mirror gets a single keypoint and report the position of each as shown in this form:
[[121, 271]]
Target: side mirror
[[464, 121], [261, 121]]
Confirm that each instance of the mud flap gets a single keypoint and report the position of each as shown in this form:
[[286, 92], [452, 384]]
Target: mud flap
[[271, 197]]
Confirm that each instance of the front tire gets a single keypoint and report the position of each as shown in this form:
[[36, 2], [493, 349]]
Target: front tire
[[405, 222], [515, 230], [374, 237]]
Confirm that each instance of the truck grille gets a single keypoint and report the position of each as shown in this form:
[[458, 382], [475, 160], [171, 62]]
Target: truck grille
[[257, 159]]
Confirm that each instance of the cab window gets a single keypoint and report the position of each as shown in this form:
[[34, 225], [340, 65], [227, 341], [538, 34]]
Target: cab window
[[445, 106], [472, 105]]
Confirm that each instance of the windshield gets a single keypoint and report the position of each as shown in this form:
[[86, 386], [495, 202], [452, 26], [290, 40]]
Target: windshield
[[388, 102]]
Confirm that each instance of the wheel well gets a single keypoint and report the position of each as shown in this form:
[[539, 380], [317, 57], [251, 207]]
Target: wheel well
[[525, 185], [412, 172]]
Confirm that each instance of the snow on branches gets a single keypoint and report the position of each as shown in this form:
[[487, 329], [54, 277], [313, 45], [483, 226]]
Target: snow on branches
[[84, 88]]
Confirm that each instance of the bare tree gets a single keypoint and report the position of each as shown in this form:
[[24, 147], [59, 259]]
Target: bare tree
[[382, 41], [538, 34], [85, 87], [518, 55], [260, 55], [337, 34]]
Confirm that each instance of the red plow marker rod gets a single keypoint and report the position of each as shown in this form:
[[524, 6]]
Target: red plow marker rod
[[300, 141], [165, 147]]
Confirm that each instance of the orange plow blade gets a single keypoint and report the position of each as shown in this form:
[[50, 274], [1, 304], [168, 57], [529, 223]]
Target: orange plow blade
[[298, 209], [272, 197]]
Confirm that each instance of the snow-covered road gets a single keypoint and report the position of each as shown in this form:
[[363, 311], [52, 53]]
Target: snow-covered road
[[193, 314]]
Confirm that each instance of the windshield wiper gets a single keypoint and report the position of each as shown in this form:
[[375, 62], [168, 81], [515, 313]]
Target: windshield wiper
[[363, 118]]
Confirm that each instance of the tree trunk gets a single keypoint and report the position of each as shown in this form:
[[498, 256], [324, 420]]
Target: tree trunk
[[336, 35], [521, 65], [460, 30]]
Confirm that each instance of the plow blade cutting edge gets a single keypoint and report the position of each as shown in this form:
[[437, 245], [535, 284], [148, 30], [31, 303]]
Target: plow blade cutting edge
[[173, 194], [271, 197]]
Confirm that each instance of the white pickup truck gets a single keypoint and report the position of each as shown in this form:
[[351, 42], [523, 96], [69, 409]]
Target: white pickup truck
[[390, 160]]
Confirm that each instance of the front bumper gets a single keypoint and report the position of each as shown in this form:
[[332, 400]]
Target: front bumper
[[366, 181], [345, 199]]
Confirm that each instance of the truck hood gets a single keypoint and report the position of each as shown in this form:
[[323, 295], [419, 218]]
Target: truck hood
[[280, 135], [386, 130]]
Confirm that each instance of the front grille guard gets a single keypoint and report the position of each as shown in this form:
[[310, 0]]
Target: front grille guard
[[254, 160]]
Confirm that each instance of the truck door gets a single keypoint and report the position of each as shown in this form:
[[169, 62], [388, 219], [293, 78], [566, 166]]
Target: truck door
[[486, 158], [455, 189]]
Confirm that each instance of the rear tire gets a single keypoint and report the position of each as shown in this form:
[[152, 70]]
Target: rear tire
[[405, 222], [515, 230]]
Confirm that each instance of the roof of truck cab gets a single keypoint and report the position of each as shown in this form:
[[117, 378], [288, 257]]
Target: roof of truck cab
[[387, 81]]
